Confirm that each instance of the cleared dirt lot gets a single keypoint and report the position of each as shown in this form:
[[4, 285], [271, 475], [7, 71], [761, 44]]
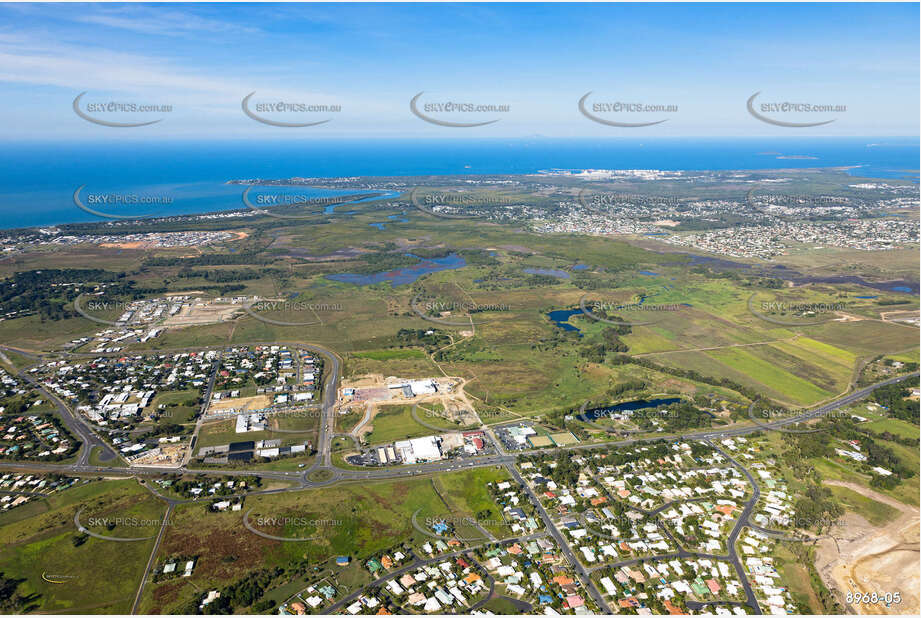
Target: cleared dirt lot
[[862, 558], [257, 402], [203, 313], [373, 390]]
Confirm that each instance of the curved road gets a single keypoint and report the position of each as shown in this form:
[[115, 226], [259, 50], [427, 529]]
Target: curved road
[[323, 466]]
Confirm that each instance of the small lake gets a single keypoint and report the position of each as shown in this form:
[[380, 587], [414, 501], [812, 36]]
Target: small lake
[[407, 274], [560, 317], [906, 287], [639, 404], [783, 272], [381, 225]]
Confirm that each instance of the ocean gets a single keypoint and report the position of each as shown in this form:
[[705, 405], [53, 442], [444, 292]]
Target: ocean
[[38, 181]]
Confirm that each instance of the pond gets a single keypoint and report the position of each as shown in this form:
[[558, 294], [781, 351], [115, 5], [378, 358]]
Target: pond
[[407, 274]]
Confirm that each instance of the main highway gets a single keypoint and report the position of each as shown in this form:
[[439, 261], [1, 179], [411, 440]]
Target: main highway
[[323, 472]]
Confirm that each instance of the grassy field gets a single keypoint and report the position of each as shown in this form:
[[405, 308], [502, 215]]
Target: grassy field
[[388, 355], [395, 423], [796, 577], [97, 576], [216, 433], [906, 492], [31, 333], [909, 489], [96, 461], [874, 512], [17, 361], [467, 491], [772, 375], [894, 426], [518, 359], [181, 406], [347, 519]]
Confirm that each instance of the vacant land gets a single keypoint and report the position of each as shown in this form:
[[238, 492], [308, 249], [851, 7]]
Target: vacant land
[[74, 573], [354, 520], [395, 422]]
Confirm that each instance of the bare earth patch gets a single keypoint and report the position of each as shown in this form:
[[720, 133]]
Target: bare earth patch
[[861, 558]]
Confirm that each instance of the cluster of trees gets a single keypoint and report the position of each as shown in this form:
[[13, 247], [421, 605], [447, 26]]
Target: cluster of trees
[[220, 276], [434, 252], [538, 281], [690, 374], [610, 344], [247, 592], [585, 282], [382, 261], [11, 601], [629, 386], [816, 508], [677, 416], [210, 259], [164, 429], [821, 444], [38, 291], [408, 337], [16, 404], [894, 397], [183, 486], [476, 257], [805, 555], [884, 457], [614, 456]]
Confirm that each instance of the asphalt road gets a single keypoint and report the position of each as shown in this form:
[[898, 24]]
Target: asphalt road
[[741, 522], [339, 474], [153, 556], [75, 424], [206, 400], [380, 581], [580, 570], [331, 474]]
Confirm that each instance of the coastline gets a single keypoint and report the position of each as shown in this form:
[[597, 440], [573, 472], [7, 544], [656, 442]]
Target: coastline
[[37, 192]]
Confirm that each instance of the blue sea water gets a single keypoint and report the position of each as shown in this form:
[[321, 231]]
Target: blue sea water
[[38, 180]]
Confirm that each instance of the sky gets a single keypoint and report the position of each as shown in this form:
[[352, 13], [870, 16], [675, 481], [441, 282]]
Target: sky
[[700, 62]]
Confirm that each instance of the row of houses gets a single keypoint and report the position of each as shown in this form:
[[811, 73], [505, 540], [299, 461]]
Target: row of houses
[[24, 488], [448, 586], [536, 572], [32, 436], [665, 586]]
